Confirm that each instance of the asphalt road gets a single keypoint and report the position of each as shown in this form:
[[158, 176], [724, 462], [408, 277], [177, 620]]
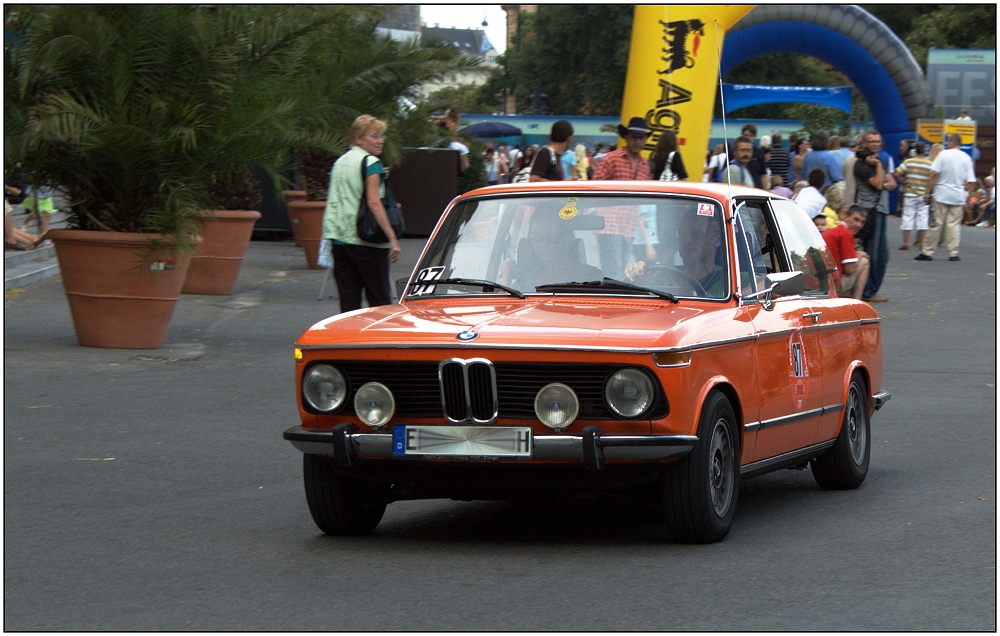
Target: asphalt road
[[151, 490]]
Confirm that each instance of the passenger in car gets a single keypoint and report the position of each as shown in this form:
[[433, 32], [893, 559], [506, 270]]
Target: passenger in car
[[699, 248], [551, 254]]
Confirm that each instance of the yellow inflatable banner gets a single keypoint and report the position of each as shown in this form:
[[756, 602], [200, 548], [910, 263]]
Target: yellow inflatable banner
[[673, 73]]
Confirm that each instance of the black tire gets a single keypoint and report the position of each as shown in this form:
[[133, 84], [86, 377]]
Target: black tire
[[700, 491], [338, 505], [845, 465]]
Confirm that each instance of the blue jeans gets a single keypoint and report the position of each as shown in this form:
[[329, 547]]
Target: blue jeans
[[877, 248]]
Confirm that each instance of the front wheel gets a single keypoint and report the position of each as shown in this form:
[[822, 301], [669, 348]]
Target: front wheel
[[339, 506], [701, 490], [845, 465]]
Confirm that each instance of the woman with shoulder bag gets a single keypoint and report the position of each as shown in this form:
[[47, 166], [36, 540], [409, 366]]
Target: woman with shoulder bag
[[665, 163], [359, 265]]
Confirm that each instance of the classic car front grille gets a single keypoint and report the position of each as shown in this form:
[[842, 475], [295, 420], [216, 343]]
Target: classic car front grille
[[468, 390], [433, 390]]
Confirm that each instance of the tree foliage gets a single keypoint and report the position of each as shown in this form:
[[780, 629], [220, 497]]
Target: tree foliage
[[576, 56]]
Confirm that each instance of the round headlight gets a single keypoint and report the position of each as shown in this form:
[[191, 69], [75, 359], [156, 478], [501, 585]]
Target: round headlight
[[556, 406], [324, 388], [629, 392], [374, 404]]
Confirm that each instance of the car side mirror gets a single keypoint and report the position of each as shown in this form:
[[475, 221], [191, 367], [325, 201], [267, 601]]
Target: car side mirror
[[779, 284], [786, 283]]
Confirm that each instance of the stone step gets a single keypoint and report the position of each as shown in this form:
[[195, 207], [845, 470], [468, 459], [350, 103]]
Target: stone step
[[28, 273]]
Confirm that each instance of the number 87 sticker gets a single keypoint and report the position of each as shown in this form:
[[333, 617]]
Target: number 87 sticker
[[428, 274]]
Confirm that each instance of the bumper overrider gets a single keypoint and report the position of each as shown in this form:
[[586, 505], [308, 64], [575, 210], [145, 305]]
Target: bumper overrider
[[593, 446]]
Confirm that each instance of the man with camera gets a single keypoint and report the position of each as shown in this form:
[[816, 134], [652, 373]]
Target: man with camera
[[873, 181]]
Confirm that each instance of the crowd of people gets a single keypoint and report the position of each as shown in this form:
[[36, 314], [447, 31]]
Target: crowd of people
[[842, 183]]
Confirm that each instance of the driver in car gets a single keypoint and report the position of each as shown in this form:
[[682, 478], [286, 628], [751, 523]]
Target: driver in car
[[700, 239]]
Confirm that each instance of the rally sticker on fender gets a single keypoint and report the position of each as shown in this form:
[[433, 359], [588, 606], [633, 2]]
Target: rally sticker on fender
[[706, 209]]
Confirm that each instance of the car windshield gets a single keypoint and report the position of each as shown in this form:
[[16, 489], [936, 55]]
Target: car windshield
[[671, 244]]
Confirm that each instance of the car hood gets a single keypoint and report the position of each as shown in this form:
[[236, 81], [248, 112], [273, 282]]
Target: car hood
[[547, 322]]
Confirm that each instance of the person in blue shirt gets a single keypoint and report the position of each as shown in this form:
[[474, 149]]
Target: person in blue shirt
[[821, 157]]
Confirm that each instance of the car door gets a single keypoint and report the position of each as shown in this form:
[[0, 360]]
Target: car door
[[834, 321], [788, 357]]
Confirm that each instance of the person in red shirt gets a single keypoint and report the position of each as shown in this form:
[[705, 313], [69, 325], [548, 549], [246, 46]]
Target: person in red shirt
[[622, 222], [852, 264]]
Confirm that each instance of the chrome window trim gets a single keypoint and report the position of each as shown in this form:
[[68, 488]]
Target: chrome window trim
[[721, 204]]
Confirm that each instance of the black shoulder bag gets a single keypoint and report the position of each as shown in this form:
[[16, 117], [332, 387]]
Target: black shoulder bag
[[368, 229]]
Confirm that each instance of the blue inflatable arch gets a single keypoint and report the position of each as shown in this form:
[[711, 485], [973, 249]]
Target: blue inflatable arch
[[852, 40]]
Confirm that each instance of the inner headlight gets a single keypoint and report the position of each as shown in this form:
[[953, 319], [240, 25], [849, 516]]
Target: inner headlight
[[629, 393], [324, 388], [374, 404], [556, 406]]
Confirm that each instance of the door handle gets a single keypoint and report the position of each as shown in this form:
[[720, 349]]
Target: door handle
[[814, 315]]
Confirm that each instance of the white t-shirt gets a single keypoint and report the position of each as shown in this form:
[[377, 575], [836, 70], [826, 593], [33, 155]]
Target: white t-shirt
[[954, 169], [717, 162], [811, 200]]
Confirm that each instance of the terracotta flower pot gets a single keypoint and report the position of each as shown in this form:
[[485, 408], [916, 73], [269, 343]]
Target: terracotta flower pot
[[293, 195], [307, 227], [121, 294], [215, 265]]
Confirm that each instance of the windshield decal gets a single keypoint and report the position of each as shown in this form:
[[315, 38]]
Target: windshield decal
[[706, 209], [569, 210], [427, 274]]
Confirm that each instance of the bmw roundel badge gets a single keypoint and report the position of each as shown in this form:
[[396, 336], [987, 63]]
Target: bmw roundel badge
[[467, 335]]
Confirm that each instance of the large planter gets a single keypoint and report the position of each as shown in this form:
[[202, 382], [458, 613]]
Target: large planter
[[307, 227], [121, 293], [215, 265], [292, 195]]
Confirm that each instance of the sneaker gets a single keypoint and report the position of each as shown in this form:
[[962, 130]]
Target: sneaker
[[875, 299], [954, 258], [904, 247], [922, 257], [983, 224]]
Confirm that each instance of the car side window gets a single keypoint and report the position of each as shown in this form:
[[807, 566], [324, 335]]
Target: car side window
[[804, 247], [752, 265]]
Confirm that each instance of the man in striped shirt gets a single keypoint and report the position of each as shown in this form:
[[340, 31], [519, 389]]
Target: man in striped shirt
[[913, 174], [779, 159]]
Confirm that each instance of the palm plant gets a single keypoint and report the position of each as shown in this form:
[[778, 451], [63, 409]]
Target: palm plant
[[137, 111], [359, 71]]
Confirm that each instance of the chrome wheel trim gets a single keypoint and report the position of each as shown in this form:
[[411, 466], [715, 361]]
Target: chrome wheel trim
[[721, 471], [857, 432]]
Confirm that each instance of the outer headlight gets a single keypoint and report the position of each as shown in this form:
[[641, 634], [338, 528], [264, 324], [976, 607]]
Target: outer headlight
[[556, 406], [374, 404], [629, 393], [324, 388]]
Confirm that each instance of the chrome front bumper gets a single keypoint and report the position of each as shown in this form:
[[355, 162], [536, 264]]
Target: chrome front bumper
[[593, 446], [879, 399]]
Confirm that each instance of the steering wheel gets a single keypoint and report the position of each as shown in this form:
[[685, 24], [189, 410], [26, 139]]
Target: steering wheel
[[654, 275]]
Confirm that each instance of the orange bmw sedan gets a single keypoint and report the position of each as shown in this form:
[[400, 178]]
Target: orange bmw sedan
[[665, 338]]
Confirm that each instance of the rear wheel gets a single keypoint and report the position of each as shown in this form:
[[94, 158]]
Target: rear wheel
[[845, 465], [338, 505], [701, 490]]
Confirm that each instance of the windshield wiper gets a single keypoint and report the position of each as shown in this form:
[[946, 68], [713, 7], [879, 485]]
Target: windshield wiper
[[607, 283], [487, 285]]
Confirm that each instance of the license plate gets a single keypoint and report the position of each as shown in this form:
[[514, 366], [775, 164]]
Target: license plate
[[462, 441]]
